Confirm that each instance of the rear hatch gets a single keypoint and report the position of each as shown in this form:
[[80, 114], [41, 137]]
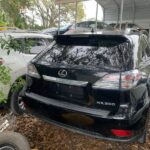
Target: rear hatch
[[73, 70]]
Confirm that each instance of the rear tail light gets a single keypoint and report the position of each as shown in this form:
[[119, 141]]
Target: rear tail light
[[32, 71], [1, 61], [122, 133], [124, 80]]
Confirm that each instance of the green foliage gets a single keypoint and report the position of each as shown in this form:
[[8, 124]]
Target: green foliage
[[4, 75], [48, 12], [3, 19], [8, 43], [2, 97], [4, 79], [18, 84], [2, 23], [14, 13], [5, 43]]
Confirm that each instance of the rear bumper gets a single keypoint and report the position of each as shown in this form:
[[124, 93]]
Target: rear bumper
[[65, 105], [88, 133], [96, 123]]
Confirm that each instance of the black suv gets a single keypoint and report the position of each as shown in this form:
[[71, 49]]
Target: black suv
[[96, 84]]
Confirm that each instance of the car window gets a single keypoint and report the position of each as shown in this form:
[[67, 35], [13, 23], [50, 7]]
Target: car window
[[30, 45], [35, 42], [38, 44], [100, 25], [83, 25], [19, 44], [118, 56]]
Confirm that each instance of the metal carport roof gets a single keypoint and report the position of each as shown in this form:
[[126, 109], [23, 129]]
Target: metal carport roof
[[136, 11]]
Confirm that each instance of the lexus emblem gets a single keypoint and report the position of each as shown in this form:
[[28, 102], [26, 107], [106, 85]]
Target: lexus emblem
[[62, 73]]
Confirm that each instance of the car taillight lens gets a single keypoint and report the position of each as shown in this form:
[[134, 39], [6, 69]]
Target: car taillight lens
[[32, 71], [1, 61], [122, 133], [112, 81]]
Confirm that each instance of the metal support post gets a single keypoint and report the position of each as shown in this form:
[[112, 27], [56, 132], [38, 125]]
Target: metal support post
[[59, 21], [121, 12], [76, 14], [96, 16]]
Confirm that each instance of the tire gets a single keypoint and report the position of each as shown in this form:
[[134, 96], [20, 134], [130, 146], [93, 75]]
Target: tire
[[13, 141], [16, 105]]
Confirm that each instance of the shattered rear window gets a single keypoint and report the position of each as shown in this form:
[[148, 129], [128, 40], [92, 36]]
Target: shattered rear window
[[119, 56]]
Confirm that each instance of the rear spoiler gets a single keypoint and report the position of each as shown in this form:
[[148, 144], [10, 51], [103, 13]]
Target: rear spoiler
[[91, 40]]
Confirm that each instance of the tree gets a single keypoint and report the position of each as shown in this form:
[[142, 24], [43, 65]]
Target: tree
[[3, 19], [30, 13], [14, 11], [48, 12]]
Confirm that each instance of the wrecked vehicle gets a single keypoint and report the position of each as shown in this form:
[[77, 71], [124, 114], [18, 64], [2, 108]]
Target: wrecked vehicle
[[24, 47], [95, 83]]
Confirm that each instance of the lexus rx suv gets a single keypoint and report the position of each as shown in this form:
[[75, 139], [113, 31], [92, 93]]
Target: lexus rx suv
[[94, 83]]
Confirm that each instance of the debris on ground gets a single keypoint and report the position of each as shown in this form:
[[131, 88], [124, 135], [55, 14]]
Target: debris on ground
[[43, 136]]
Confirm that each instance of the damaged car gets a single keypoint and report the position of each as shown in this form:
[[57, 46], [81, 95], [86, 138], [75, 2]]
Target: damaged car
[[16, 50], [95, 84]]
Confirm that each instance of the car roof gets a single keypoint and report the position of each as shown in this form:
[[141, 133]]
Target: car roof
[[91, 21], [55, 29], [25, 35], [49, 30], [105, 32]]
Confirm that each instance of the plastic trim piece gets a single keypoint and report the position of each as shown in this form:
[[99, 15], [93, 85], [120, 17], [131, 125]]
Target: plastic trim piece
[[65, 81]]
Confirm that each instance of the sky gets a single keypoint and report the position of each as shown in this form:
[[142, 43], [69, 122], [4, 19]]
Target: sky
[[90, 10]]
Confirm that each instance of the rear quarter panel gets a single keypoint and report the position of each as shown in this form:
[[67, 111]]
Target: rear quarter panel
[[16, 63]]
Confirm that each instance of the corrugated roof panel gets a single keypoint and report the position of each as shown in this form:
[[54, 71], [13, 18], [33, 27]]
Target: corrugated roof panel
[[133, 10]]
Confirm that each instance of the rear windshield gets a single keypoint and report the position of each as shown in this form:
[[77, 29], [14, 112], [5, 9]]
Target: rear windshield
[[117, 56]]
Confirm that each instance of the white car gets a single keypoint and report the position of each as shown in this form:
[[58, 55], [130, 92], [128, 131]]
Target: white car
[[88, 26], [17, 61]]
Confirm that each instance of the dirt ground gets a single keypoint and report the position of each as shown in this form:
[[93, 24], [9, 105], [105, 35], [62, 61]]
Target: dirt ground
[[43, 136]]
